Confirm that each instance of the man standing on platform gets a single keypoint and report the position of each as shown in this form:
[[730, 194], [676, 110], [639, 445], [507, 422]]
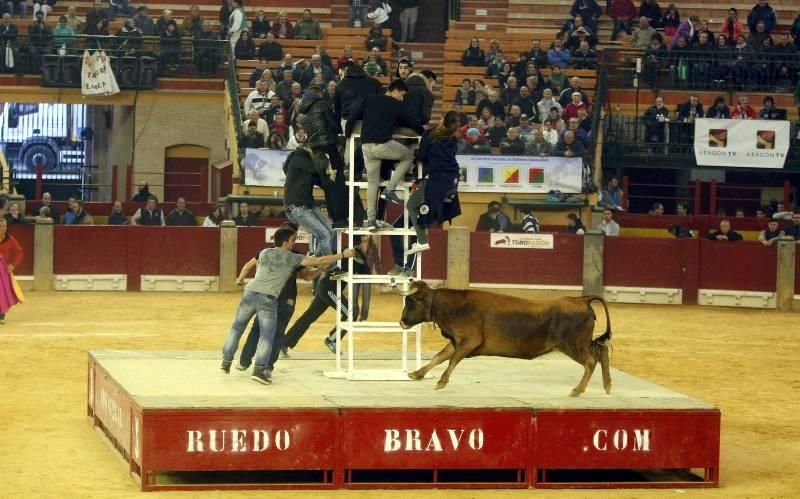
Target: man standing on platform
[[274, 266]]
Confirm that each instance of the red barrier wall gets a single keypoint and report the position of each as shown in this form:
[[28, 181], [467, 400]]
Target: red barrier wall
[[180, 251], [87, 249], [797, 271], [644, 262], [562, 265], [702, 223], [24, 235], [741, 266], [251, 241]]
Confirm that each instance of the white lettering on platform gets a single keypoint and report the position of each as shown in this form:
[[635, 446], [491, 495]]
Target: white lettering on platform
[[110, 406], [620, 440], [238, 440], [411, 440]]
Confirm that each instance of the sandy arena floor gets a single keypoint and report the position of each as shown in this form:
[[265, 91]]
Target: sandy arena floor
[[743, 361]]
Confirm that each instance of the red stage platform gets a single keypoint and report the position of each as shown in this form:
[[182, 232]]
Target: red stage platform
[[500, 423]]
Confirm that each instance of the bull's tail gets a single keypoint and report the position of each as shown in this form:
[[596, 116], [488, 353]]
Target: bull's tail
[[603, 338]]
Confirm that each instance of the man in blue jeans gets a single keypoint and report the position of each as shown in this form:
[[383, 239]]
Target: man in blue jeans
[[273, 266]]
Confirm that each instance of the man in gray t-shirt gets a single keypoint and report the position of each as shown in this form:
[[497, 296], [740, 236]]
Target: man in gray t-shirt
[[274, 266]]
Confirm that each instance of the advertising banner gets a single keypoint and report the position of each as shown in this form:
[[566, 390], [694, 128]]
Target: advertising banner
[[741, 143]]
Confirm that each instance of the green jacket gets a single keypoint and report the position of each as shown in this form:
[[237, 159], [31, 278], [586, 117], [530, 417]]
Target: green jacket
[[307, 30], [63, 36]]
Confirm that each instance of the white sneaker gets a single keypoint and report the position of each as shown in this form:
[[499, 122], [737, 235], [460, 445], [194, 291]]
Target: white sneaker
[[417, 248]]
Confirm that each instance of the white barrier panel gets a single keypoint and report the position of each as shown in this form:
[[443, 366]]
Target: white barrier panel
[[527, 174], [743, 143]]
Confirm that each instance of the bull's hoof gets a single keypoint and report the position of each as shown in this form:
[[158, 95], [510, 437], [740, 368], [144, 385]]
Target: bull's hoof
[[416, 375], [440, 385], [575, 393], [607, 388]]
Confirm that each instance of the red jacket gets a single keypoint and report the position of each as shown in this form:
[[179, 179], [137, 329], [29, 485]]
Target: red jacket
[[748, 111], [622, 9], [11, 251], [276, 29]]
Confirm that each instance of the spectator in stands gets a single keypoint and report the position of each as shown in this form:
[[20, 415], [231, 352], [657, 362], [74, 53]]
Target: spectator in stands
[[245, 218], [465, 94], [575, 225], [643, 34], [739, 213], [570, 146], [535, 54], [589, 11], [371, 66], [171, 46], [297, 138], [47, 202], [725, 233], [316, 67], [574, 86], [13, 216], [557, 55], [476, 143], [680, 232], [16, 8], [262, 126], [689, 111], [795, 31], [43, 6], [571, 111], [701, 59], [794, 229], [762, 11], [63, 35], [580, 33], [237, 22], [8, 43], [499, 68], [496, 132], [512, 144], [279, 127], [771, 233], [731, 26], [510, 93], [530, 224], [758, 36], [655, 57], [608, 226], [554, 121], [270, 50], [493, 52], [376, 39], [526, 103], [116, 7], [652, 11], [40, 40], [161, 24], [284, 88], [514, 114], [215, 218], [679, 64], [307, 28], [283, 28], [347, 55], [245, 47], [584, 57], [180, 215], [357, 9], [538, 145], [493, 103], [770, 112], [258, 99], [473, 55], [74, 21], [409, 13], [261, 25], [557, 80], [142, 20], [611, 196], [206, 54], [494, 220], [129, 40], [117, 216], [719, 110], [79, 215], [193, 23], [682, 209], [622, 12], [743, 110], [786, 60], [380, 13], [250, 138], [376, 53], [671, 20], [742, 55], [525, 128], [584, 120], [97, 18], [143, 193], [582, 135], [656, 209], [655, 121]]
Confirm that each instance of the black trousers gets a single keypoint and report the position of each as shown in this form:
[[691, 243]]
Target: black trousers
[[321, 302], [336, 194]]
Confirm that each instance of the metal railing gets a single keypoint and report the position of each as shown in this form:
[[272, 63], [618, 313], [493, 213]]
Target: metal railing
[[692, 69], [628, 141], [234, 118], [184, 57]]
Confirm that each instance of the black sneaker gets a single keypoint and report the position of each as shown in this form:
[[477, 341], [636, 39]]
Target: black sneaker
[[330, 343], [226, 366], [261, 375], [285, 352], [341, 224]]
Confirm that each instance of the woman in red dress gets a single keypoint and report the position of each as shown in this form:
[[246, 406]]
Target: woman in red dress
[[10, 258]]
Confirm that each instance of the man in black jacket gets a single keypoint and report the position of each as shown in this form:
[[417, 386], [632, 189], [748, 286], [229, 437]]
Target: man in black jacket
[[381, 114], [322, 130], [725, 233], [351, 91], [418, 101], [303, 171]]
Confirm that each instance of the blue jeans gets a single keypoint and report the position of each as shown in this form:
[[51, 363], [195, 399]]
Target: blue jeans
[[317, 224], [264, 307], [360, 12], [285, 313]]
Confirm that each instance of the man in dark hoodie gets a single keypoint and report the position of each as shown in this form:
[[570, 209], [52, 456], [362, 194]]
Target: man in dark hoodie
[[351, 90], [322, 130], [418, 101]]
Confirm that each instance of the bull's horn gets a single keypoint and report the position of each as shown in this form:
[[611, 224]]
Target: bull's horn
[[409, 292]]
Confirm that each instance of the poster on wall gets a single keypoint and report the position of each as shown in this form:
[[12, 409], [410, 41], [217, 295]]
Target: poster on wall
[[741, 143], [525, 174], [264, 167], [528, 241]]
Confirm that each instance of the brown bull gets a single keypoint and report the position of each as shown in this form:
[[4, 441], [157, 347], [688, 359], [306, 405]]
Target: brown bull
[[480, 323]]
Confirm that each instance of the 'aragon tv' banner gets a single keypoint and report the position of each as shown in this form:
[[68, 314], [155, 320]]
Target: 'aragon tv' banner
[[741, 143]]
